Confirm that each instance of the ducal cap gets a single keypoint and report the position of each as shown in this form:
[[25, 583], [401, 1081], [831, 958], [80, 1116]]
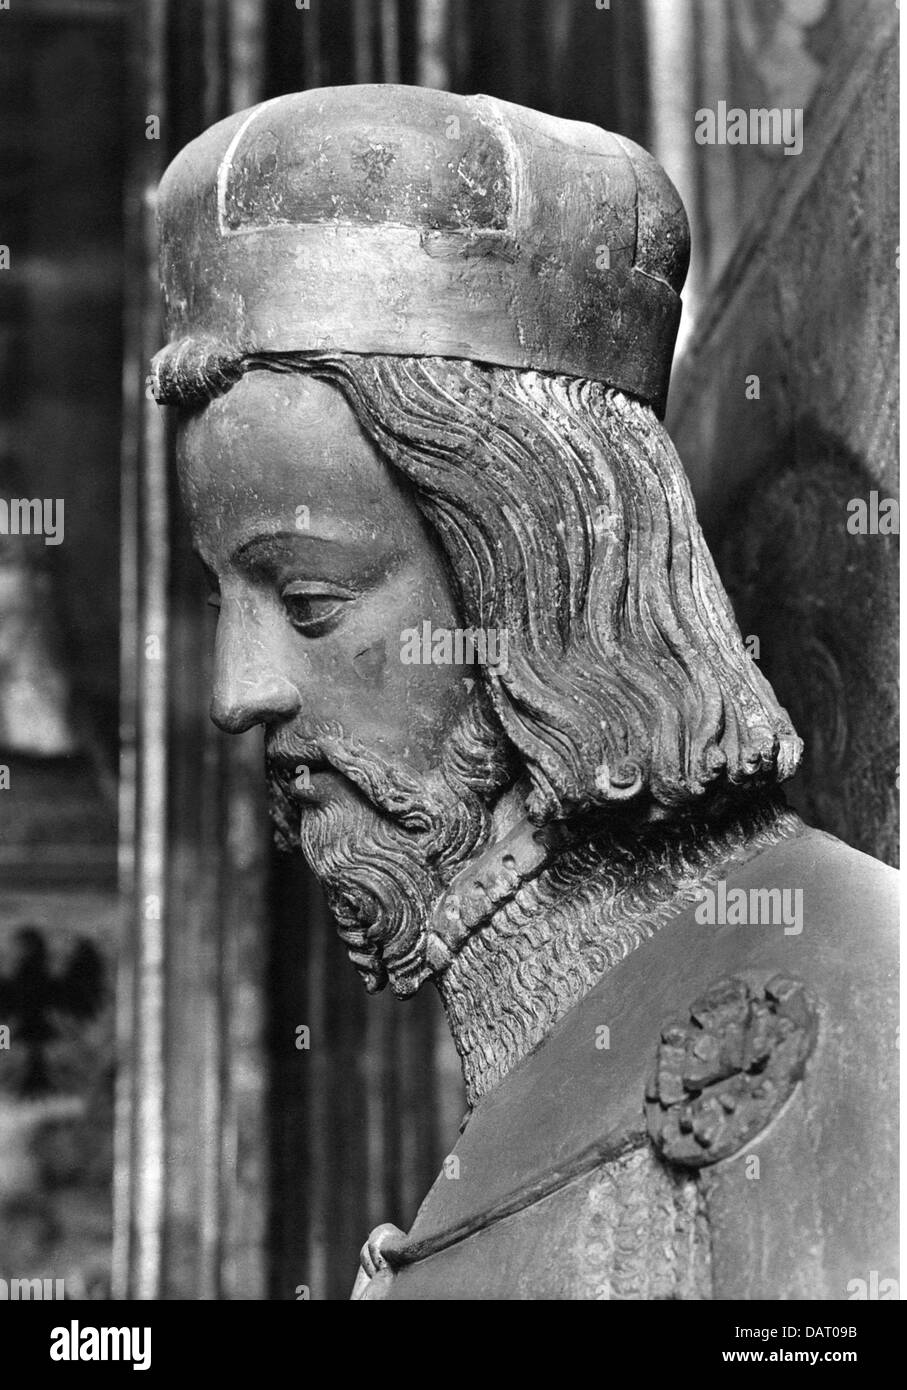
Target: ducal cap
[[404, 220]]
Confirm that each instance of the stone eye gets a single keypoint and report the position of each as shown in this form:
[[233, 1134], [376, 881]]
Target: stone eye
[[313, 613]]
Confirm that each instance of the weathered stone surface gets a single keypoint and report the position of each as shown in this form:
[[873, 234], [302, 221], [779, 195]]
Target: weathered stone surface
[[362, 219], [542, 835], [808, 310]]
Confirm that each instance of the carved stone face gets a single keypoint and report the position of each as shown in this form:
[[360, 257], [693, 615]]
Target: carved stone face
[[321, 560], [624, 679]]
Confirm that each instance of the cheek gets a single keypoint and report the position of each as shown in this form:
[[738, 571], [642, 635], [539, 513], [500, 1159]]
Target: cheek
[[363, 682]]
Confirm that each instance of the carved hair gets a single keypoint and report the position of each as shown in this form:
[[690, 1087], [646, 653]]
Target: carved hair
[[568, 523]]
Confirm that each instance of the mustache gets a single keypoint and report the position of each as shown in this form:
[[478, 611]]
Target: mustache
[[397, 791], [439, 813], [386, 842], [380, 872]]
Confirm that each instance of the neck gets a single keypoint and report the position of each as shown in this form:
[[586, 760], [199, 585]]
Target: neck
[[538, 954]]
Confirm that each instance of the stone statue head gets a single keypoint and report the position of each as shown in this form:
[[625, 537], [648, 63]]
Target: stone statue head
[[420, 350]]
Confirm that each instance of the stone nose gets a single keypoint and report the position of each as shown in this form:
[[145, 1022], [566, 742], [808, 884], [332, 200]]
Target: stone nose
[[249, 685]]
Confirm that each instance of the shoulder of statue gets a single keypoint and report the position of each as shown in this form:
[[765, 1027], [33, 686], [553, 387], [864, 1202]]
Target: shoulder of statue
[[811, 908], [776, 1084], [583, 1097], [799, 981]]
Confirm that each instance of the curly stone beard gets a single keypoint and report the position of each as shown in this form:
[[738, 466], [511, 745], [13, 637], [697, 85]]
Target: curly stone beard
[[386, 843]]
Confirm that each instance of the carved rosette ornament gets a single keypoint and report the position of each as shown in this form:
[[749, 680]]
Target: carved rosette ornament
[[721, 1078]]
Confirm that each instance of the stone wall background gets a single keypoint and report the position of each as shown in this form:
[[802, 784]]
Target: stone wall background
[[784, 409]]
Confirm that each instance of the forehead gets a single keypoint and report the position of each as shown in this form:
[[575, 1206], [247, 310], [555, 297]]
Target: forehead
[[276, 443]]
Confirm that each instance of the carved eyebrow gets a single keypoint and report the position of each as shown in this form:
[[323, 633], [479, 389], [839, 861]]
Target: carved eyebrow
[[245, 554]]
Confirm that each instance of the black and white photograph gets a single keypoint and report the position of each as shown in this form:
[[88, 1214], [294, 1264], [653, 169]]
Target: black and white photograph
[[449, 669]]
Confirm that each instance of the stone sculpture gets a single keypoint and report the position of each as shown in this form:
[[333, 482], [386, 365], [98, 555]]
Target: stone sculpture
[[419, 348]]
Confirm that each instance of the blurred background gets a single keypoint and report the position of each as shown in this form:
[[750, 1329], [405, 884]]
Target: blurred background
[[161, 1133]]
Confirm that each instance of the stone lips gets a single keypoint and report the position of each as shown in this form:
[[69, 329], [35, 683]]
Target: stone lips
[[410, 221]]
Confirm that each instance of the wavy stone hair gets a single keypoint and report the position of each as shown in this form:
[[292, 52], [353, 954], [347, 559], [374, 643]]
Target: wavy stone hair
[[567, 521]]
